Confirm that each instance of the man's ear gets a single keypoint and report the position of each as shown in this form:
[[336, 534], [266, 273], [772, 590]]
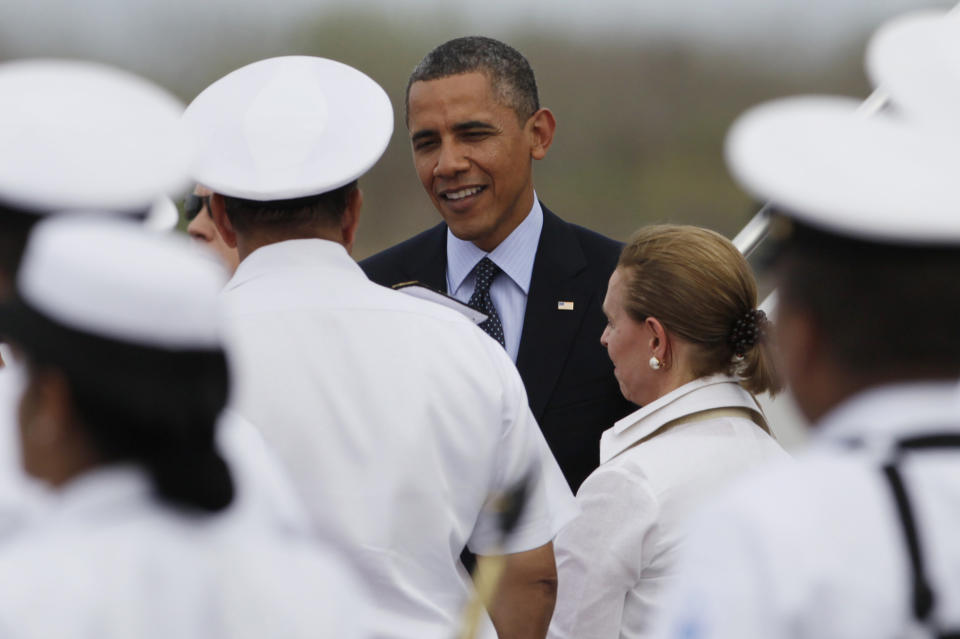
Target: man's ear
[[351, 219], [542, 126], [218, 211]]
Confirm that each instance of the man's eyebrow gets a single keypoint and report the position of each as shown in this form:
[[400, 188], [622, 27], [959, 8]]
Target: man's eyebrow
[[423, 133], [473, 124], [459, 127]]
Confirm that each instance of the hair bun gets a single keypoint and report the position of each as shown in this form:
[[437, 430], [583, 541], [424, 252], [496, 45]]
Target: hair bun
[[747, 331]]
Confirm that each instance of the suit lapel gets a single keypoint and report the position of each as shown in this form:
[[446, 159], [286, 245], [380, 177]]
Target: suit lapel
[[429, 264], [548, 332]]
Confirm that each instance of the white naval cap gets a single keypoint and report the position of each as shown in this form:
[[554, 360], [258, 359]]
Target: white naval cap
[[110, 278], [79, 135], [915, 60], [875, 179], [288, 127]]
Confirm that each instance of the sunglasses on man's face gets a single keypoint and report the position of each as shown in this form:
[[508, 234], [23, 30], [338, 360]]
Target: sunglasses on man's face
[[193, 204]]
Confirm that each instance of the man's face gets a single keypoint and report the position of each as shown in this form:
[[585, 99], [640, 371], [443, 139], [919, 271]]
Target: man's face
[[202, 229], [473, 156]]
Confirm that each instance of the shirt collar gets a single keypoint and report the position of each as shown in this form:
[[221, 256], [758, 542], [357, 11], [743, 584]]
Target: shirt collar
[[884, 413], [715, 391], [101, 489], [292, 254], [514, 255]]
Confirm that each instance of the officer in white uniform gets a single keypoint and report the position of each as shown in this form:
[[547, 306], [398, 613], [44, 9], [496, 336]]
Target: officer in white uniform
[[125, 379], [84, 137], [859, 537], [400, 421]]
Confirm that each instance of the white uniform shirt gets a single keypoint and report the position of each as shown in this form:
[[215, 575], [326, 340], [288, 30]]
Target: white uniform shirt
[[108, 561], [264, 492], [397, 419], [616, 557], [816, 549]]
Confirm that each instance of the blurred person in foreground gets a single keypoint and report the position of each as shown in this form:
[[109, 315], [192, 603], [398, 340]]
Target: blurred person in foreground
[[689, 345], [76, 136], [83, 137], [476, 126], [400, 421], [858, 538], [196, 209], [125, 381]]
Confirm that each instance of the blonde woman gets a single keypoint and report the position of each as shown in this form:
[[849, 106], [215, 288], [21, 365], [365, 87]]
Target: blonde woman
[[689, 345]]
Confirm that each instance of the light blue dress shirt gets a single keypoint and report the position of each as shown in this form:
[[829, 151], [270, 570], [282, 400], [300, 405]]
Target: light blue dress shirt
[[509, 290]]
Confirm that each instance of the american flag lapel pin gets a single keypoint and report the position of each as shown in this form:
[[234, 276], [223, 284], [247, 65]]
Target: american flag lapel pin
[[564, 306]]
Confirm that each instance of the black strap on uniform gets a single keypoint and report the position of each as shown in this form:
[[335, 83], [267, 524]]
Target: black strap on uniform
[[923, 595]]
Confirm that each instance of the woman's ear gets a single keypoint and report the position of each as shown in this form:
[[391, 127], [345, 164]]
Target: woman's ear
[[659, 341]]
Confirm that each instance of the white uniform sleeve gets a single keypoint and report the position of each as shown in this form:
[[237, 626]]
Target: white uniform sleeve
[[600, 554], [722, 591], [522, 453]]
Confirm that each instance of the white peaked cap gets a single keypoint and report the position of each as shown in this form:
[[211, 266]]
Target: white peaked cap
[[84, 136], [112, 278], [915, 60], [874, 179], [288, 127]]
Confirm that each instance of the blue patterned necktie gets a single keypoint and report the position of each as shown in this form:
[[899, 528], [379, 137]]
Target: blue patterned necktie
[[486, 271]]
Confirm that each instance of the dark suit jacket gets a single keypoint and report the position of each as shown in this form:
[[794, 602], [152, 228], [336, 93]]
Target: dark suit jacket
[[568, 376]]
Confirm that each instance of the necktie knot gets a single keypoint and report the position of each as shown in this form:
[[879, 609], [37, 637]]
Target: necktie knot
[[485, 271]]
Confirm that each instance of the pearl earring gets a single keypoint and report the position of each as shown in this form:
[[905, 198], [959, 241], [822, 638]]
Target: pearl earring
[[655, 363]]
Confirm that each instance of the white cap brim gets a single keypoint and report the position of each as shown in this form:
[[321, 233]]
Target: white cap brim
[[869, 178], [288, 127], [84, 136], [915, 60], [112, 279]]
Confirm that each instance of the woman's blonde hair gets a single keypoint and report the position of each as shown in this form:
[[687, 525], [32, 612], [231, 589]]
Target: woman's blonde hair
[[699, 286]]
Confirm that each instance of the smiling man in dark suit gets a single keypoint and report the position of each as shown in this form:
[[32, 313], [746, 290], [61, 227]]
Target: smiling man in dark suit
[[476, 126]]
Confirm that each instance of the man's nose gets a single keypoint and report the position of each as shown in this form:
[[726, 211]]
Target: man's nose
[[451, 161], [200, 230]]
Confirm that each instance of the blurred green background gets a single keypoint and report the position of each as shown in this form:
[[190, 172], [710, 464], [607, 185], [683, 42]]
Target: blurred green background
[[641, 118]]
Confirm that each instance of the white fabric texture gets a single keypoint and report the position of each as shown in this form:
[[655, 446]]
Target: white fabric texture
[[397, 418], [110, 562], [816, 549], [615, 559]]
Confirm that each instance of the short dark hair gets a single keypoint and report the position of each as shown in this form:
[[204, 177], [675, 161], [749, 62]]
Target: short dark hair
[[151, 405], [509, 72], [292, 215], [886, 311], [15, 226]]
